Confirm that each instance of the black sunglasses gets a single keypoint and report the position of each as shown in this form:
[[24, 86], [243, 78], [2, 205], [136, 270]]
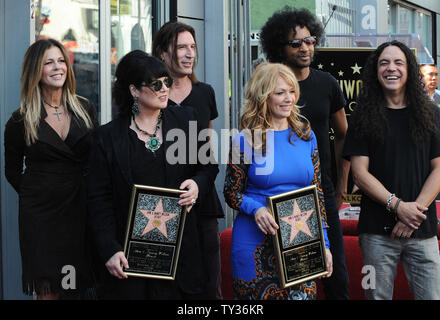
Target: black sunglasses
[[157, 85], [296, 43]]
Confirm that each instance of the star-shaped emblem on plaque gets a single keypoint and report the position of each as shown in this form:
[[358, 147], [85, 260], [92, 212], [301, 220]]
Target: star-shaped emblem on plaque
[[356, 69], [298, 221], [157, 219]]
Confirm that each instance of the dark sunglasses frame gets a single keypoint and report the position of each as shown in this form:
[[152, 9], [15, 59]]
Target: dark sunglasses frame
[[156, 85], [296, 43]]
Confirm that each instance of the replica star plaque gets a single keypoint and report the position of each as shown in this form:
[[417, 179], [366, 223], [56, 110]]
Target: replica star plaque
[[299, 242], [154, 232]]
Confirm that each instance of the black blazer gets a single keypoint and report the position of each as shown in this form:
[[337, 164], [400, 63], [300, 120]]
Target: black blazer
[[110, 185], [48, 148], [52, 195]]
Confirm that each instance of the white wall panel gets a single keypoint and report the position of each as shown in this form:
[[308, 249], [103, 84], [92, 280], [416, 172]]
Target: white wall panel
[[191, 8]]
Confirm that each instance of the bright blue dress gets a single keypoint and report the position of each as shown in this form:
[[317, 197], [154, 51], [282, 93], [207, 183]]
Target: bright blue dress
[[285, 167]]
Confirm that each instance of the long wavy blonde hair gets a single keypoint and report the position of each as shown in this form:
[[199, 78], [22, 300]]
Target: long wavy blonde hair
[[257, 115], [31, 101]]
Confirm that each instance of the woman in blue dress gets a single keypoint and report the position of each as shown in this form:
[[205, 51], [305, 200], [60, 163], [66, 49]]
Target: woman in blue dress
[[275, 152]]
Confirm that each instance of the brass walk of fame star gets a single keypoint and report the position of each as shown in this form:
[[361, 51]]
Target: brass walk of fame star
[[298, 221], [157, 219]]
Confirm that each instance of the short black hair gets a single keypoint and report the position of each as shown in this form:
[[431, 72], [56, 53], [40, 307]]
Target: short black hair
[[274, 34], [135, 68]]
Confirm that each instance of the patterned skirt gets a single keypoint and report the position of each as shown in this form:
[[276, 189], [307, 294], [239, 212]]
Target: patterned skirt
[[265, 285]]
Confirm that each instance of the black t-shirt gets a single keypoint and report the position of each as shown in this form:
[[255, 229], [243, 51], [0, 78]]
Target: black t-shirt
[[320, 97], [202, 98], [401, 166]]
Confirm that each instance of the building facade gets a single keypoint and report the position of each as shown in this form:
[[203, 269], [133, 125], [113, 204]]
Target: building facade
[[97, 33]]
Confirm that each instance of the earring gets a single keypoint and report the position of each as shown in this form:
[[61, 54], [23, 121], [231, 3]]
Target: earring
[[135, 107]]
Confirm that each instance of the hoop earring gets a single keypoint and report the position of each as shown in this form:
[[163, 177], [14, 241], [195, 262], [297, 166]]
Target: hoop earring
[[135, 107]]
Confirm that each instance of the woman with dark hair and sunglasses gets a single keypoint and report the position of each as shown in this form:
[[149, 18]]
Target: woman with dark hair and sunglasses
[[133, 149]]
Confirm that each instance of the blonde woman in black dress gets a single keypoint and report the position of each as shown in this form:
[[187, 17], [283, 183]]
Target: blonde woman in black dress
[[51, 134]]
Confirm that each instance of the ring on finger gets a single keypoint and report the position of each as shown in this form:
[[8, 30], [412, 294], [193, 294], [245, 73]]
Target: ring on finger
[[193, 201]]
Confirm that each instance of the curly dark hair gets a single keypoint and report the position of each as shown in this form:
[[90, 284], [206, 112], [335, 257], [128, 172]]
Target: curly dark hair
[[274, 34], [135, 68], [369, 117]]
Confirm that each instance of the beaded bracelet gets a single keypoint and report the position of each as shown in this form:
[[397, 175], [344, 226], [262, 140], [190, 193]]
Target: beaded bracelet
[[389, 201]]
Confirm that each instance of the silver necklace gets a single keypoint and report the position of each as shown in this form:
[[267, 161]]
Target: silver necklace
[[153, 143]]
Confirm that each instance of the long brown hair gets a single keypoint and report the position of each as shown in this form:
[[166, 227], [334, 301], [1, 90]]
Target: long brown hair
[[30, 94], [167, 36], [256, 112]]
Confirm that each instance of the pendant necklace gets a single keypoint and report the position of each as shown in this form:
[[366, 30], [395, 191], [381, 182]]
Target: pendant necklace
[[57, 113], [153, 143]]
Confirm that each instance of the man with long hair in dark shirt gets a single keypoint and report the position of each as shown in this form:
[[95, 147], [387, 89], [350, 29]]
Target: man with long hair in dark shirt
[[394, 145]]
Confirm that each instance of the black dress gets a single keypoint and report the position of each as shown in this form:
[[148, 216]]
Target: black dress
[[52, 203], [142, 164], [119, 160]]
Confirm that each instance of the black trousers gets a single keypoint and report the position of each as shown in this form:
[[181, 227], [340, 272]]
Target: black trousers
[[210, 240], [336, 287]]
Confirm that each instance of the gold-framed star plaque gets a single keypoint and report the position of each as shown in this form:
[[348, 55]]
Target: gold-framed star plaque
[[154, 232], [299, 242]]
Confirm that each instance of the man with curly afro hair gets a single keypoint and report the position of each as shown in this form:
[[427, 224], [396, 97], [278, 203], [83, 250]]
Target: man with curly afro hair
[[289, 37]]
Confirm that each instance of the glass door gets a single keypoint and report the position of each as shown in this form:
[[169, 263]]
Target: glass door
[[80, 25], [131, 29]]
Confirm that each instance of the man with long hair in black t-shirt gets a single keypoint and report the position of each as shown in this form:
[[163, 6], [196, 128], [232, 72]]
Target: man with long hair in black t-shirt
[[175, 44], [394, 145], [289, 37]]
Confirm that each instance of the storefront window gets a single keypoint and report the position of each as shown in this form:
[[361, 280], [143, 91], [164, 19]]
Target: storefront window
[[131, 29], [414, 21], [392, 18], [423, 28], [405, 20], [75, 23]]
